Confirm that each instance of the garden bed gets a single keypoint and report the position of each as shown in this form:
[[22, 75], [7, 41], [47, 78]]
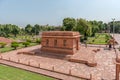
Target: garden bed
[[99, 38]]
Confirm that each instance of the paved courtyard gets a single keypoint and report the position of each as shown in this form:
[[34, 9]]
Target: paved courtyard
[[105, 68]]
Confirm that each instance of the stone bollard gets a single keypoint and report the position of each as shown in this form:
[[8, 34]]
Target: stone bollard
[[9, 59], [18, 60], [53, 68], [28, 63], [39, 65], [69, 71], [1, 57], [91, 77]]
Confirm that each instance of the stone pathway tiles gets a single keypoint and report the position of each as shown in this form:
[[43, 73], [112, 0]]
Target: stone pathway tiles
[[117, 38], [85, 55], [104, 58], [41, 71]]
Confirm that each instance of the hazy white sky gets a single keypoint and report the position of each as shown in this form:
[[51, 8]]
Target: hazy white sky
[[22, 12]]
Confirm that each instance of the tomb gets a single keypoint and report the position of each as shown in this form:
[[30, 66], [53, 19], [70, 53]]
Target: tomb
[[68, 43], [60, 42]]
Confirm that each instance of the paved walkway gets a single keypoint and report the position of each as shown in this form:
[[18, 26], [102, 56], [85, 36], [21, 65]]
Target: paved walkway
[[117, 38], [104, 70], [40, 71]]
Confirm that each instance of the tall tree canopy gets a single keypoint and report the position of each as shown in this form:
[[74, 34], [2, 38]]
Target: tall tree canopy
[[69, 24]]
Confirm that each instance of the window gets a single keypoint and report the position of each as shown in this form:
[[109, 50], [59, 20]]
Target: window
[[64, 42], [47, 42], [55, 42]]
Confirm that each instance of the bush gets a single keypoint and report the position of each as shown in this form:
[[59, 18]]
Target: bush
[[93, 40], [2, 44], [28, 40], [26, 44], [38, 41], [82, 39], [14, 45]]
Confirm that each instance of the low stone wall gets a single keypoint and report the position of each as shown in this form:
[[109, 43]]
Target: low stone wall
[[91, 64]]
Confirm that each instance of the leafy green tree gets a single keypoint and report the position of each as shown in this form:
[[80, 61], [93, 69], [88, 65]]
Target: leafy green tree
[[84, 27], [15, 30], [38, 41], [36, 29], [28, 29], [69, 23], [15, 45], [95, 27], [2, 44], [26, 44]]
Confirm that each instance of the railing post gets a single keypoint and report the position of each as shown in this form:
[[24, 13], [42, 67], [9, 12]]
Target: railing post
[[39, 65], [91, 77], [53, 68], [18, 60], [28, 63], [117, 71], [1, 57], [9, 59], [69, 71]]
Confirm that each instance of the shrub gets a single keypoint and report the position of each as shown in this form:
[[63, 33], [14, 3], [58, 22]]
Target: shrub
[[26, 44], [93, 40], [38, 41], [82, 39], [14, 45], [28, 40], [2, 44]]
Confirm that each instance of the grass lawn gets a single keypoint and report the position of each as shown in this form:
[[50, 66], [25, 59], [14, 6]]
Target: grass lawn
[[23, 37], [10, 73], [99, 38], [8, 48]]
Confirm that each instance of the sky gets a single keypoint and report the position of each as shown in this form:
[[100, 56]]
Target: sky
[[52, 12]]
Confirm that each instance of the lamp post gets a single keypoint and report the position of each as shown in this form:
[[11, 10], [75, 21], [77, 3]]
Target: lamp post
[[113, 26], [113, 33]]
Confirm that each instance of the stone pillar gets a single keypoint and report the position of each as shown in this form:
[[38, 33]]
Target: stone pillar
[[70, 72], [117, 71], [91, 78], [39, 65], [53, 68]]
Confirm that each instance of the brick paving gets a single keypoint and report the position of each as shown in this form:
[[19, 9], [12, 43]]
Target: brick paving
[[117, 38], [105, 68], [41, 71], [85, 55]]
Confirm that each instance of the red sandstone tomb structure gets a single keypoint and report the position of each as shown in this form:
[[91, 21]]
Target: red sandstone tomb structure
[[60, 42]]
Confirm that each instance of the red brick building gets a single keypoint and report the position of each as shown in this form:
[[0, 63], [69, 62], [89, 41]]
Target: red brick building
[[60, 42]]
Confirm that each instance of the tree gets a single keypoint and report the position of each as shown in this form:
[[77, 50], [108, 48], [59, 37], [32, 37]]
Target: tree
[[116, 26], [2, 44], [14, 45], [69, 23], [28, 29], [26, 44], [84, 27], [36, 29], [95, 27], [15, 30], [38, 41]]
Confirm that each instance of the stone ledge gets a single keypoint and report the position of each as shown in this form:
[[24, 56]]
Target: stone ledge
[[29, 53], [91, 64]]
